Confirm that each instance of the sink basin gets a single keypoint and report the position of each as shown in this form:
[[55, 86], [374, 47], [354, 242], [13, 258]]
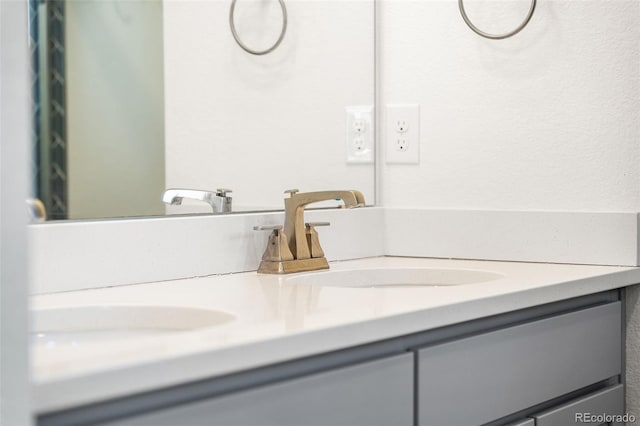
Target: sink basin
[[396, 278], [86, 325]]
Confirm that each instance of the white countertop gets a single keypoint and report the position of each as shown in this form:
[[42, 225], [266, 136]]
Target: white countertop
[[275, 321]]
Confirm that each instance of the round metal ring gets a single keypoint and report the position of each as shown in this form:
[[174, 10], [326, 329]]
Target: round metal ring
[[496, 36], [248, 49]]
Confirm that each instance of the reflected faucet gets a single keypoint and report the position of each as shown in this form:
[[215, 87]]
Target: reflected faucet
[[302, 251], [219, 201], [36, 210]]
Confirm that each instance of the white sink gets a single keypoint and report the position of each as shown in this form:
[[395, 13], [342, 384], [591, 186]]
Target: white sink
[[77, 326], [395, 277]]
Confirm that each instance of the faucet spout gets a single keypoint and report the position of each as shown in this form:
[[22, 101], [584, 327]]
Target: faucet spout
[[294, 227], [219, 201]]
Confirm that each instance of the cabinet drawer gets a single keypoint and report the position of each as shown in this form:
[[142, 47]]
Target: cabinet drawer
[[607, 402], [485, 377], [374, 393]]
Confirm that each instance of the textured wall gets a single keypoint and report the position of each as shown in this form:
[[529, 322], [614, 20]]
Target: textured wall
[[260, 125], [546, 120]]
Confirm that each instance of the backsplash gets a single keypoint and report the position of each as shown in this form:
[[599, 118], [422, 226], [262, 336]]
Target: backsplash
[[529, 236], [78, 255]]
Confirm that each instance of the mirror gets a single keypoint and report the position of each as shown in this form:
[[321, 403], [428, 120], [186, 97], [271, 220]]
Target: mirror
[[136, 96]]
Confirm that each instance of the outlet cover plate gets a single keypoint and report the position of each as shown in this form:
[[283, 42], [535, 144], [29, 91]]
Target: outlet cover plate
[[359, 134], [402, 134]]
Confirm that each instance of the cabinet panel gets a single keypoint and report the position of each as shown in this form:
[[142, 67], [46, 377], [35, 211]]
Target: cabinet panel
[[374, 393], [485, 377], [607, 402], [528, 422]]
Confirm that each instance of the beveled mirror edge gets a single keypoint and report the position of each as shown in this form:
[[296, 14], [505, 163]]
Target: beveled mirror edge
[[174, 216]]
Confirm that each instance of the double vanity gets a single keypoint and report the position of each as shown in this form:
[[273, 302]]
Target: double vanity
[[524, 154], [374, 341]]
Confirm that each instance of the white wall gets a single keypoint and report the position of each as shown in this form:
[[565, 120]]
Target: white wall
[[115, 109], [261, 125], [14, 188], [546, 120]]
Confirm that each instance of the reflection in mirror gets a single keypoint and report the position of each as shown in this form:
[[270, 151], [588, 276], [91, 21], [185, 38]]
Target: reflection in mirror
[[137, 96], [102, 113]]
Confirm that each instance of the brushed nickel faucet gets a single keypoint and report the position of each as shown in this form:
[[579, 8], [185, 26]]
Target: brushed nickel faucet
[[219, 201], [295, 247]]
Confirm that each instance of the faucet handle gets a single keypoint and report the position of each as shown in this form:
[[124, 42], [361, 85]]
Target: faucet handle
[[314, 224], [222, 192], [292, 191], [315, 250], [267, 227], [277, 248]]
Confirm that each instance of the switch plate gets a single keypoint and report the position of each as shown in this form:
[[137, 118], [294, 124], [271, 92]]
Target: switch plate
[[359, 138], [403, 134]]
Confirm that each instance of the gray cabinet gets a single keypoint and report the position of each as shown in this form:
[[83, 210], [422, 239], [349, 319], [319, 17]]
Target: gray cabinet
[[369, 394], [590, 409], [482, 378], [526, 422]]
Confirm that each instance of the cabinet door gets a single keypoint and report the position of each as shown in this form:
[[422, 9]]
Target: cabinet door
[[609, 402], [374, 393], [485, 377]]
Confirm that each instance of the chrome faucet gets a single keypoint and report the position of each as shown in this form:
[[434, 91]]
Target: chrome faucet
[[219, 201], [302, 251]]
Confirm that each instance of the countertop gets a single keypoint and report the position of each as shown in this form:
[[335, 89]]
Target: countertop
[[276, 321]]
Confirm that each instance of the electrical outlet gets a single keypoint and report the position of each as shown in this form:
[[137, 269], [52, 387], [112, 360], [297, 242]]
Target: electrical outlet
[[402, 125], [359, 137], [402, 144], [359, 125], [403, 134]]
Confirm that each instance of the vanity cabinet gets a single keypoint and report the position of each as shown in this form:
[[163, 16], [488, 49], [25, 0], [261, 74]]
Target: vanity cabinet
[[479, 379], [534, 367], [375, 393]]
